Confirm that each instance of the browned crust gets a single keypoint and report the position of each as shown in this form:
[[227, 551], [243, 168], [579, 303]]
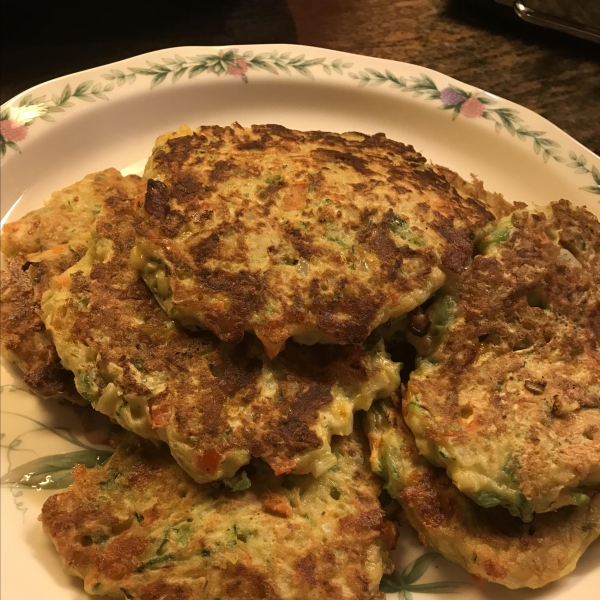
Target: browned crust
[[353, 182], [43, 244], [24, 339], [113, 520], [209, 384], [487, 542], [527, 334]]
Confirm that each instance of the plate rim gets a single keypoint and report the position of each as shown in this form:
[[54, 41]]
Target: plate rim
[[268, 60], [364, 59], [299, 47]]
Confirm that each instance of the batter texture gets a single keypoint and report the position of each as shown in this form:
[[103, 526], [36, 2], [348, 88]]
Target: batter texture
[[314, 236], [140, 528], [215, 403], [506, 394]]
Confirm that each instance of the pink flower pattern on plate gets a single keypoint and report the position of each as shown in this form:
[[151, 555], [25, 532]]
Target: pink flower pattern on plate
[[12, 131], [472, 108], [469, 104], [240, 68]]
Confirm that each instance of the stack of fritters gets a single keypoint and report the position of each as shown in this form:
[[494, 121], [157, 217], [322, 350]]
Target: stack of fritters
[[215, 403], [234, 305], [487, 542], [42, 244]]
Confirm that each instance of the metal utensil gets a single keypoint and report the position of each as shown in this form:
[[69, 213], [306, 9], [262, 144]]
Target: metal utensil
[[580, 18]]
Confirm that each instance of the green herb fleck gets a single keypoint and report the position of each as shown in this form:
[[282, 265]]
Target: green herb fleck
[[579, 499], [444, 454], [100, 538], [396, 224], [74, 253], [154, 561], [273, 179], [487, 499], [111, 478], [338, 241], [238, 483]]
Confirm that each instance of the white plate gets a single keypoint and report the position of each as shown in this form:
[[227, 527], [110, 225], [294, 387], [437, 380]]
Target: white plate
[[59, 131]]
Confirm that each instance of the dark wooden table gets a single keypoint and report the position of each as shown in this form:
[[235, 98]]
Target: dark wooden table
[[475, 41]]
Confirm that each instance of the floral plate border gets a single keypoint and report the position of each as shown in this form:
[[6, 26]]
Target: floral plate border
[[27, 469], [18, 115], [23, 120], [76, 435]]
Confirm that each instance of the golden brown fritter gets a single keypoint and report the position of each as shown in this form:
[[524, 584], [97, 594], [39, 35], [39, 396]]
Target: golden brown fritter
[[68, 215], [25, 341], [506, 395], [313, 236], [495, 202], [215, 403], [42, 244], [487, 542], [140, 528]]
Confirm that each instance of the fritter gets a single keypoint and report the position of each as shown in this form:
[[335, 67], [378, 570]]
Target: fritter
[[506, 394], [67, 216], [487, 542], [494, 201], [140, 528], [24, 339], [215, 403], [314, 236], [42, 244]]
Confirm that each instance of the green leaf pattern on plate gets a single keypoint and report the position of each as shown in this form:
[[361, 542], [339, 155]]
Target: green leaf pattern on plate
[[16, 120], [49, 472], [472, 105], [405, 583], [53, 472]]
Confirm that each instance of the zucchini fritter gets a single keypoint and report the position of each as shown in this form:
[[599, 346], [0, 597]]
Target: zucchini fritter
[[40, 245], [215, 403], [140, 528], [313, 236], [506, 394], [68, 215], [24, 339], [487, 542]]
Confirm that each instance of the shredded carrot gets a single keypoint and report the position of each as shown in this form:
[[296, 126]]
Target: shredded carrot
[[272, 350], [209, 462], [161, 414], [390, 534], [473, 425], [277, 505], [62, 281], [282, 466]]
